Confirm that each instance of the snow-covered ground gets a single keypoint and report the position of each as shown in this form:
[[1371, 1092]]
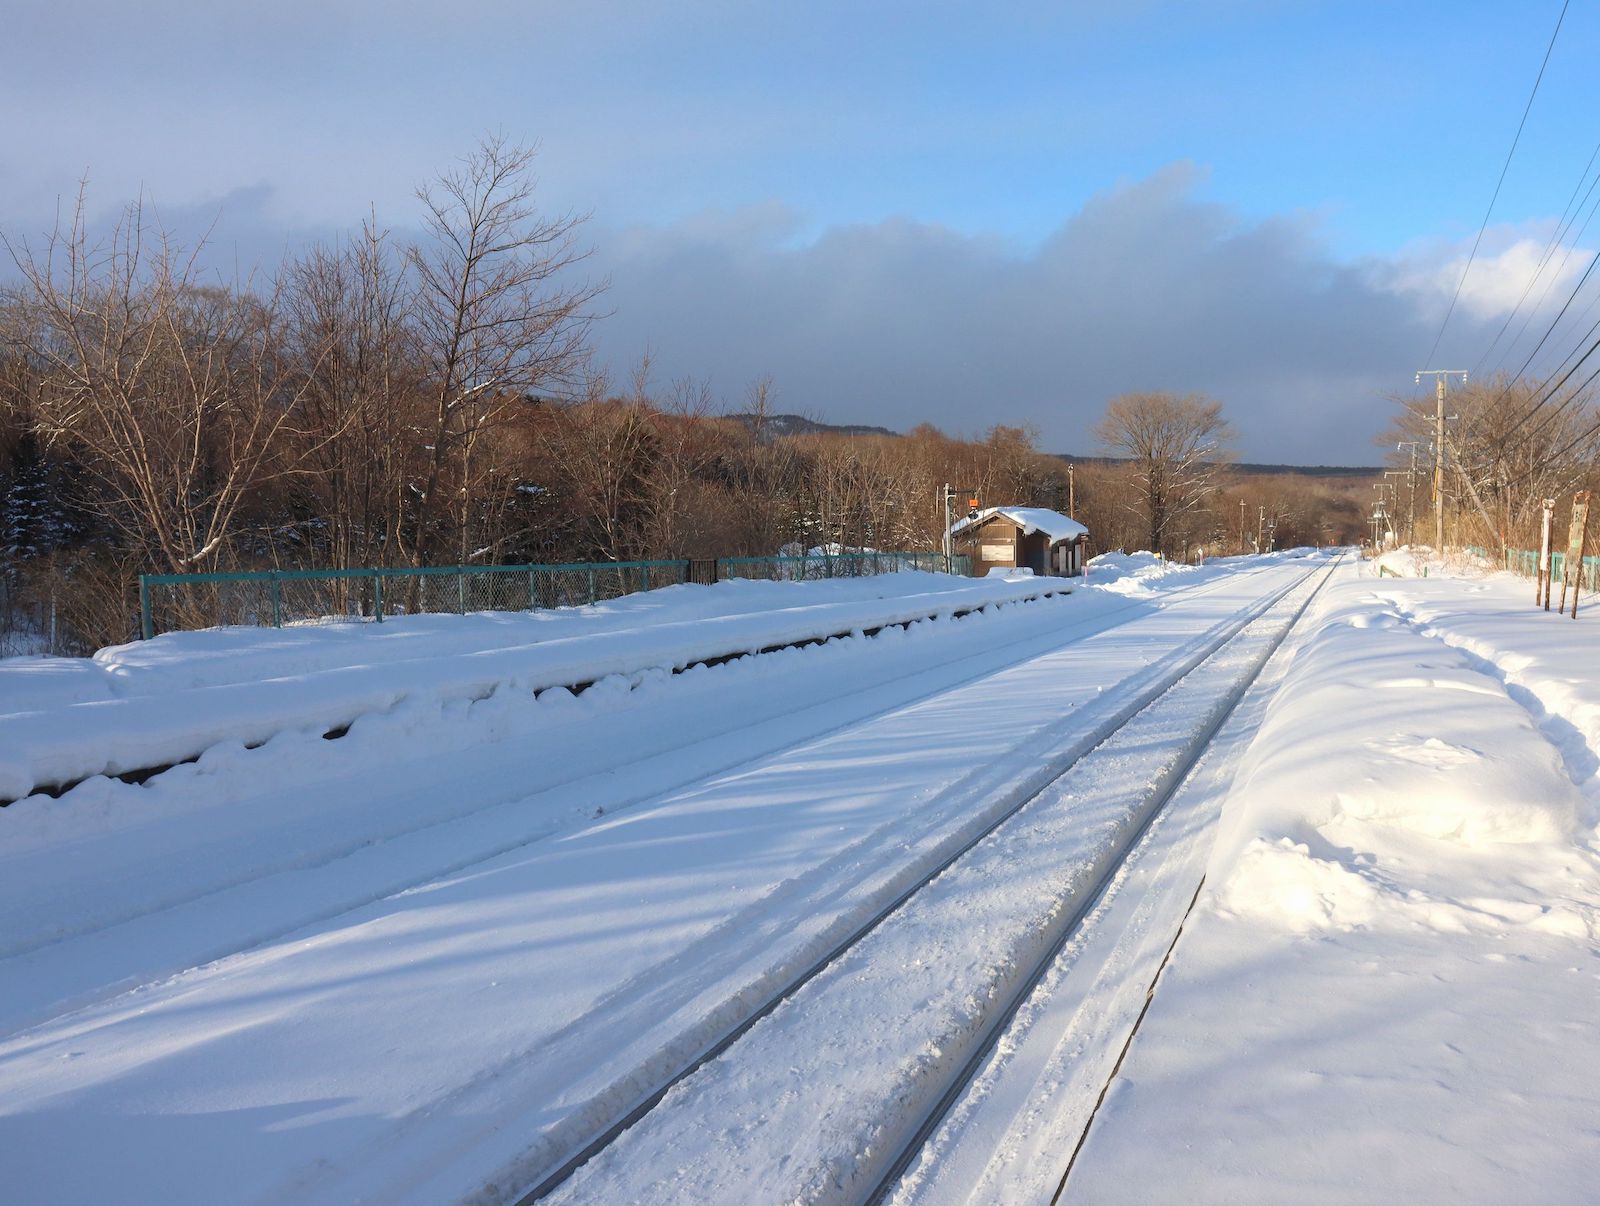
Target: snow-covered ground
[[148, 704], [1387, 989], [406, 962], [429, 960]]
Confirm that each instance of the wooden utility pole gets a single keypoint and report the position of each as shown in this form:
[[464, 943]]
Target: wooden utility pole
[[1072, 492], [1439, 377], [1577, 537], [1411, 482]]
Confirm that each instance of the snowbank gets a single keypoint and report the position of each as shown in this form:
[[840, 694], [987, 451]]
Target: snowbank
[[217, 656], [1420, 739], [154, 727], [1420, 561], [1387, 990]]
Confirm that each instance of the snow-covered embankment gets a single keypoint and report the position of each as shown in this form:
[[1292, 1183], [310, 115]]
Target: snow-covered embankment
[[1388, 991]]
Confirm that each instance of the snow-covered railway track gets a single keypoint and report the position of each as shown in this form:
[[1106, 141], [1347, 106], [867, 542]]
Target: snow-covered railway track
[[631, 1156], [1105, 872], [451, 1015]]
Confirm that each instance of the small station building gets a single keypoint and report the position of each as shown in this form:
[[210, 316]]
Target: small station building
[[1035, 538]]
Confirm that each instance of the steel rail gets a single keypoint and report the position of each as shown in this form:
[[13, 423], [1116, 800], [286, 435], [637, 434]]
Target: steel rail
[[1156, 800], [1079, 749]]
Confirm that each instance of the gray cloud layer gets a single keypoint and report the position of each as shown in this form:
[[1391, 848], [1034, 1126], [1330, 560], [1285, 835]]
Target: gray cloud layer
[[1146, 288], [899, 322]]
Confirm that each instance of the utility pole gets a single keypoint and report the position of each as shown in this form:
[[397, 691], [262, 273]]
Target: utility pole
[[949, 495], [1261, 528], [1072, 492], [949, 519], [1411, 506], [1440, 376], [1241, 525]]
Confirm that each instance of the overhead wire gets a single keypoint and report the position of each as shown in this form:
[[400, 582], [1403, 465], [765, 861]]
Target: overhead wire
[[1558, 238], [1505, 167], [1543, 339]]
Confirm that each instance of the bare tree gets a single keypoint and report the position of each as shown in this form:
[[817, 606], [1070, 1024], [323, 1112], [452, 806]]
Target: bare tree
[[346, 308], [495, 316], [1176, 444], [1509, 445], [172, 392]]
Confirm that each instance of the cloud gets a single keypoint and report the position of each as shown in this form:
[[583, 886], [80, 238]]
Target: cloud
[[1147, 287], [1498, 278]]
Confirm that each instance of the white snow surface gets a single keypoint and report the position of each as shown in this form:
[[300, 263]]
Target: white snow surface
[[813, 1103], [136, 706], [417, 963], [422, 962], [1388, 989]]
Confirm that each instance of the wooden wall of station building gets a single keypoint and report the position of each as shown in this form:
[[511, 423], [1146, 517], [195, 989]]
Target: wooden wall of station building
[[1000, 543]]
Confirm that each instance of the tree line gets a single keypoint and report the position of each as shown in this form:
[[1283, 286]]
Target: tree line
[[379, 402], [1509, 444]]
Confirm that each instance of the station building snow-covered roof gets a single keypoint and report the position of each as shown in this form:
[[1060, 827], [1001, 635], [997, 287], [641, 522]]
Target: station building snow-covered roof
[[1053, 524]]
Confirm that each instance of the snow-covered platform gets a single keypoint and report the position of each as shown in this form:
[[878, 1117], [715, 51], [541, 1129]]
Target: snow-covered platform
[[1388, 989]]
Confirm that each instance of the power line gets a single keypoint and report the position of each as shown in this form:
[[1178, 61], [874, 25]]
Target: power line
[[1563, 226], [1556, 456], [1499, 183], [1540, 395], [1511, 382], [1562, 313], [1571, 398]]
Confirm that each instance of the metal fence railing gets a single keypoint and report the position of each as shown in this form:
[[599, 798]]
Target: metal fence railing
[[274, 598], [1526, 563], [835, 565]]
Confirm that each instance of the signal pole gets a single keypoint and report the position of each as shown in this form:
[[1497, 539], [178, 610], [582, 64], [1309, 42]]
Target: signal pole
[[948, 495], [944, 496], [1439, 378]]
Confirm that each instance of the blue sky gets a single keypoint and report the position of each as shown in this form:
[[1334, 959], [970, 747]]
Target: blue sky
[[801, 188]]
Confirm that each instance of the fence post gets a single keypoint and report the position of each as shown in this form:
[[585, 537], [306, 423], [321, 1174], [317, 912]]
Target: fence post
[[1541, 587], [591, 584], [277, 600], [533, 589], [1572, 563], [146, 620], [377, 596]]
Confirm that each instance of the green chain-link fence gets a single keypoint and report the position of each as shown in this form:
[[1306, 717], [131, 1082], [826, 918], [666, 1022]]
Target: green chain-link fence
[[834, 565], [1526, 563], [273, 598]]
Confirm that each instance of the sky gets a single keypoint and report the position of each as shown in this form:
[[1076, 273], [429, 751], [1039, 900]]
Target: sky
[[899, 212]]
